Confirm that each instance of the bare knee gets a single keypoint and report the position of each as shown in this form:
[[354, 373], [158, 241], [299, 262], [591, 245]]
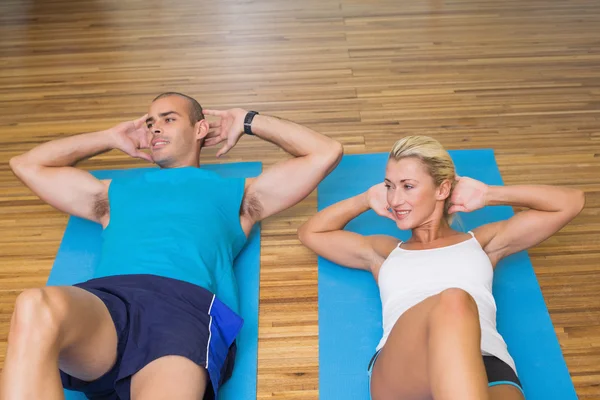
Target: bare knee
[[38, 314], [456, 304]]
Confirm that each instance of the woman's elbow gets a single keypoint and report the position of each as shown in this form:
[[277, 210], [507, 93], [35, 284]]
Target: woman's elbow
[[303, 233], [307, 234]]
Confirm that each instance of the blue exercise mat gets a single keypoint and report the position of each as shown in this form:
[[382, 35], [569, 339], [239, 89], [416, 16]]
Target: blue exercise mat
[[350, 324], [80, 248]]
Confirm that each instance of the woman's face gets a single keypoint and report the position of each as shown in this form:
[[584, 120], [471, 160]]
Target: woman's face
[[412, 194]]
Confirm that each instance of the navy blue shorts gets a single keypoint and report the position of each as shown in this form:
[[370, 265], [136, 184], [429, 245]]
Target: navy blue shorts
[[156, 317]]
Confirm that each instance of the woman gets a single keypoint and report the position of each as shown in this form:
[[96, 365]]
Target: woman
[[439, 315]]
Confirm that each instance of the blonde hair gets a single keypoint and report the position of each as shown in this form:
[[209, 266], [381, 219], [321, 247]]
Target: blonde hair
[[433, 155]]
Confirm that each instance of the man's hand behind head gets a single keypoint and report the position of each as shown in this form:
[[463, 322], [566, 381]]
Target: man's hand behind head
[[229, 127], [132, 136]]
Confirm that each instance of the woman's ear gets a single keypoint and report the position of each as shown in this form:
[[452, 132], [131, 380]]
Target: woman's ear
[[444, 190]]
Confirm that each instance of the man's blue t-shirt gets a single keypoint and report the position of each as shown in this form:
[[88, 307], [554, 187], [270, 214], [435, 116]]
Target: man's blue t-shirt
[[181, 223]]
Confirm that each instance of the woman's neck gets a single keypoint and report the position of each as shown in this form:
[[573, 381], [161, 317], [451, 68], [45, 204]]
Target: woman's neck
[[432, 231]]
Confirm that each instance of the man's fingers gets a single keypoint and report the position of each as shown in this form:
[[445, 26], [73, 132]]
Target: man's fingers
[[140, 121], [145, 143], [144, 156], [223, 150], [216, 113], [211, 141], [213, 133]]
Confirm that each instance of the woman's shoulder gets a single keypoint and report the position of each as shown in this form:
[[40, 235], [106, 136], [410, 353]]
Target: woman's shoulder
[[383, 245], [485, 233]]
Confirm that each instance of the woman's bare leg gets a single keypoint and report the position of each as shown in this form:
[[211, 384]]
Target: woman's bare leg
[[433, 351]]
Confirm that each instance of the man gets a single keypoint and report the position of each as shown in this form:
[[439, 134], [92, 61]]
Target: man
[[160, 319]]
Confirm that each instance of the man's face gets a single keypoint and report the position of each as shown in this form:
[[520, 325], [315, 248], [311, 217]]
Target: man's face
[[174, 138]]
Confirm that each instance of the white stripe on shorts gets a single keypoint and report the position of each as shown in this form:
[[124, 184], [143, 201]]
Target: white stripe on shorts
[[209, 331]]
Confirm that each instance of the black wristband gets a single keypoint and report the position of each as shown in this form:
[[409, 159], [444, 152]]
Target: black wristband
[[248, 122]]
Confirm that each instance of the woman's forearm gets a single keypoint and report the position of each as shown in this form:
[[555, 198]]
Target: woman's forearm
[[537, 197]]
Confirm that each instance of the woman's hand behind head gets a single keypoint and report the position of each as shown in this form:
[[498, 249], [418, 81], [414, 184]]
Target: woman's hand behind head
[[377, 200], [468, 195]]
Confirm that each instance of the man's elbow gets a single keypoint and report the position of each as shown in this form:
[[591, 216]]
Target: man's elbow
[[16, 164], [573, 203], [333, 155], [21, 167], [578, 200], [338, 151]]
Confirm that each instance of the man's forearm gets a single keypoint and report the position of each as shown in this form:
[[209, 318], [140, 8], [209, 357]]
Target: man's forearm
[[296, 139], [337, 216], [68, 151]]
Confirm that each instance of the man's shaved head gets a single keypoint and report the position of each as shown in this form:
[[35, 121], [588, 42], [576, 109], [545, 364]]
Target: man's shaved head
[[195, 109]]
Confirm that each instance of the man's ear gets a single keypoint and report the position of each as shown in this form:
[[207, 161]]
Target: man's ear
[[201, 129]]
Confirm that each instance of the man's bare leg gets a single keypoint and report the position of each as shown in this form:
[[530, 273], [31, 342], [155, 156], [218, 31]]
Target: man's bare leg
[[54, 326], [170, 377]]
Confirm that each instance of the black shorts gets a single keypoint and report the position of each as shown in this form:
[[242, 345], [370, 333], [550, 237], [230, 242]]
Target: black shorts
[[155, 317], [498, 372]]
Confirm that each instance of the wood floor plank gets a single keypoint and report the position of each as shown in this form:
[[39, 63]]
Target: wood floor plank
[[522, 78]]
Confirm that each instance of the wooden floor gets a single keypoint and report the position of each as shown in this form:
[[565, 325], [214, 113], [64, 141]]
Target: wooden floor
[[522, 77]]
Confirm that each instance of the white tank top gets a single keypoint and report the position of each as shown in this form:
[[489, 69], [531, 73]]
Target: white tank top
[[408, 277]]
